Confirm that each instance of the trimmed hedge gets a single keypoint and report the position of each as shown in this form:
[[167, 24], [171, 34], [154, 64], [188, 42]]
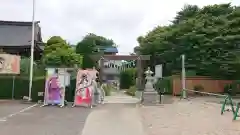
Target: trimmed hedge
[[21, 85], [21, 88], [127, 78]]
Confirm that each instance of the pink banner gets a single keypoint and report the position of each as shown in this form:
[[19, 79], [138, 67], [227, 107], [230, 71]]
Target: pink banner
[[83, 89]]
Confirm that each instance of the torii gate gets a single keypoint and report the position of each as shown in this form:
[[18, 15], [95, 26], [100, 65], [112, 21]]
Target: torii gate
[[139, 58]]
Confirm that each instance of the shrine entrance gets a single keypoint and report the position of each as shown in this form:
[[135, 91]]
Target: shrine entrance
[[101, 59]]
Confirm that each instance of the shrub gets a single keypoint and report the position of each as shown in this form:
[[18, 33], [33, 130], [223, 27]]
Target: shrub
[[127, 78], [131, 91], [164, 85], [107, 89]]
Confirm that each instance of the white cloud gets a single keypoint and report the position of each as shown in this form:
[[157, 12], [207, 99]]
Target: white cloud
[[121, 20]]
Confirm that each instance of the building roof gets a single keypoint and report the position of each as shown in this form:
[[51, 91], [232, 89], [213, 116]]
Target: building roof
[[111, 50], [108, 49], [13, 33]]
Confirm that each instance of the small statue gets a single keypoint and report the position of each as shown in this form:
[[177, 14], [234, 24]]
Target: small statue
[[148, 72], [149, 78]]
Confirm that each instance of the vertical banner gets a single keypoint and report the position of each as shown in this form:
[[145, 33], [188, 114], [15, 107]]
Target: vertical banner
[[158, 71], [52, 88], [62, 85], [82, 92], [49, 72]]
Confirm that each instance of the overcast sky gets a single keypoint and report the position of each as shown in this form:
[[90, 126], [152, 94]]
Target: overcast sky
[[121, 20]]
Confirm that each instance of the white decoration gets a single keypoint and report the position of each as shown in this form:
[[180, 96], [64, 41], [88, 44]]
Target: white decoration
[[158, 71], [50, 71]]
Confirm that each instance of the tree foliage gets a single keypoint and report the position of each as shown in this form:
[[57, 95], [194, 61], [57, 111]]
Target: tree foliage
[[127, 78], [89, 45], [208, 36], [38, 69], [58, 53]]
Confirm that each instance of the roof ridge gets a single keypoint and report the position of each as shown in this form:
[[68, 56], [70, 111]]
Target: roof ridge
[[16, 23]]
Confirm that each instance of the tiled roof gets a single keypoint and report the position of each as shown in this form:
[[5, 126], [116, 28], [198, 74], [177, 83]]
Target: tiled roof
[[14, 33], [111, 50], [108, 49]]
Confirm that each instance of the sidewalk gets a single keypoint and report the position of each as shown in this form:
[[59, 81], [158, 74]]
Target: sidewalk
[[120, 97], [115, 119]]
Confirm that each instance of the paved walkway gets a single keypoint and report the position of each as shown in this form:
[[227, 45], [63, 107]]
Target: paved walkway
[[115, 119], [120, 97]]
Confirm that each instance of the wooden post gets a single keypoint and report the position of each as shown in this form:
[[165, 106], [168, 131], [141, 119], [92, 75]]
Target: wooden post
[[139, 74], [101, 70]]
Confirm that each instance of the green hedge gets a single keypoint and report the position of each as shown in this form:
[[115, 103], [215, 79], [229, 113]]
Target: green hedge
[[165, 83], [21, 86], [127, 78]]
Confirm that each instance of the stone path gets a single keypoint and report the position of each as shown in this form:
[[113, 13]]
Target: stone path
[[120, 97], [115, 118]]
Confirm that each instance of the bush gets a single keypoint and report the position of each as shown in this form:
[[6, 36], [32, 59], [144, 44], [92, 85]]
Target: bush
[[164, 85], [107, 89], [127, 78], [131, 91]]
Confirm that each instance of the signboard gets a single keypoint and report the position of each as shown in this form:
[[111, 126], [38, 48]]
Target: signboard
[[158, 71], [9, 64]]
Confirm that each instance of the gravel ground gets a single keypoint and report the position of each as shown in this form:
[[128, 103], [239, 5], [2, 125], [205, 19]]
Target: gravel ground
[[194, 117]]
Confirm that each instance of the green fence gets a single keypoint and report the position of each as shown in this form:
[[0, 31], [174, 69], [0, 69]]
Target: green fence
[[17, 87]]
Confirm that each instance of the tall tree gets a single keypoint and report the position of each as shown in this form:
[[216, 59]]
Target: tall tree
[[89, 45], [209, 36], [58, 53]]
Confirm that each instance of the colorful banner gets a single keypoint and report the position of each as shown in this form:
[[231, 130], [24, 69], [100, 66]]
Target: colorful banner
[[53, 90], [83, 89], [9, 64]]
